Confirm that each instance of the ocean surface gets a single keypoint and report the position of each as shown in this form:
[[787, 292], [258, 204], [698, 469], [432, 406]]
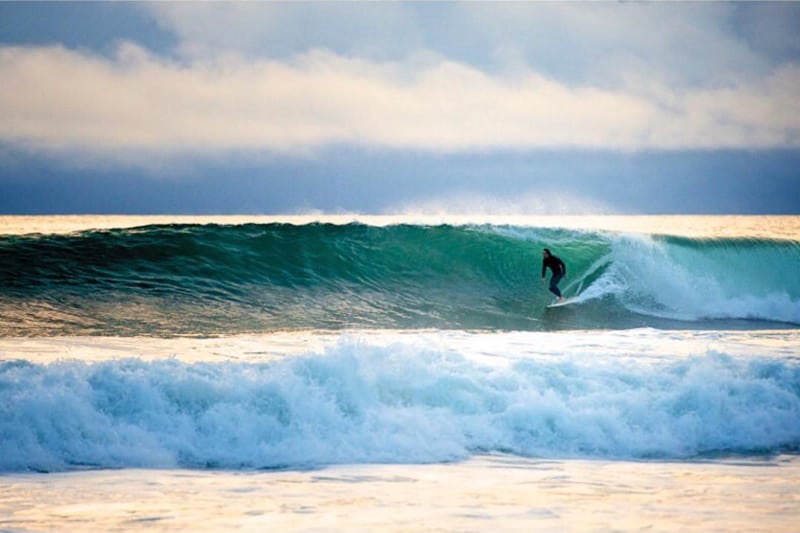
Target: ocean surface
[[403, 373]]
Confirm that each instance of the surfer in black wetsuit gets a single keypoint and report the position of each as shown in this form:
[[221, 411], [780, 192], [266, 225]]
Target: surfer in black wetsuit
[[557, 267]]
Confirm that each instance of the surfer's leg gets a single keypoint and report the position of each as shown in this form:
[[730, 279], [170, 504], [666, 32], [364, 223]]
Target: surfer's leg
[[554, 285]]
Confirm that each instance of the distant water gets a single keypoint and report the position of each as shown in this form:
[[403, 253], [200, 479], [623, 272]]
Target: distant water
[[245, 355]]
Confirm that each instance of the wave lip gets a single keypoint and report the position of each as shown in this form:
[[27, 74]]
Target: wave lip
[[365, 403]]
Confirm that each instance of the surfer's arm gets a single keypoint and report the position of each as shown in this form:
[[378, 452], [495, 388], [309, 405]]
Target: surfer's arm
[[544, 268]]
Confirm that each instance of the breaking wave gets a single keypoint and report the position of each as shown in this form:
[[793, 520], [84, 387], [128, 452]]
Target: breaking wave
[[170, 280]]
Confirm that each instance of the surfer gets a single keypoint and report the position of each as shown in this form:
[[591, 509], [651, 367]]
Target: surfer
[[557, 267]]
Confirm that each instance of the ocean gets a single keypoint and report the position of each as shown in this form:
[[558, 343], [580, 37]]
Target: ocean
[[399, 373]]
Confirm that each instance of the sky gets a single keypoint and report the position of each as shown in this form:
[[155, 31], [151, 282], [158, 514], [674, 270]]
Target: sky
[[399, 107]]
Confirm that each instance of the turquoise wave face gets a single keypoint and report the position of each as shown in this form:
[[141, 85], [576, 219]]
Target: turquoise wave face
[[211, 280]]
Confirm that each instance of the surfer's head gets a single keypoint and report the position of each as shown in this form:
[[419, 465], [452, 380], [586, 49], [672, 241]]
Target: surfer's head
[[546, 252]]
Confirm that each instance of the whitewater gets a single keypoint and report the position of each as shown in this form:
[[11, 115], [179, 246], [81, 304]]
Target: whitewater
[[364, 373]]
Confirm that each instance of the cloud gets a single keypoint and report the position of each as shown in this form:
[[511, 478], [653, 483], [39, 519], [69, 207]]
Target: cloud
[[283, 29], [61, 99], [576, 43]]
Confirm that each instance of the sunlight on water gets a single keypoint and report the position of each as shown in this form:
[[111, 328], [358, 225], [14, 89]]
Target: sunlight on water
[[706, 226], [489, 348], [493, 493]]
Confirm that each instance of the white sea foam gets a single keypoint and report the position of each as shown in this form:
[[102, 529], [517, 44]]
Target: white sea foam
[[397, 398], [658, 278]]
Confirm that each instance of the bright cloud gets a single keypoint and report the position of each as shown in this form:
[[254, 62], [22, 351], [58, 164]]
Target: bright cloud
[[55, 98]]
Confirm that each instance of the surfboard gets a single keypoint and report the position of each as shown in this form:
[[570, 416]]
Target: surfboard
[[567, 301]]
